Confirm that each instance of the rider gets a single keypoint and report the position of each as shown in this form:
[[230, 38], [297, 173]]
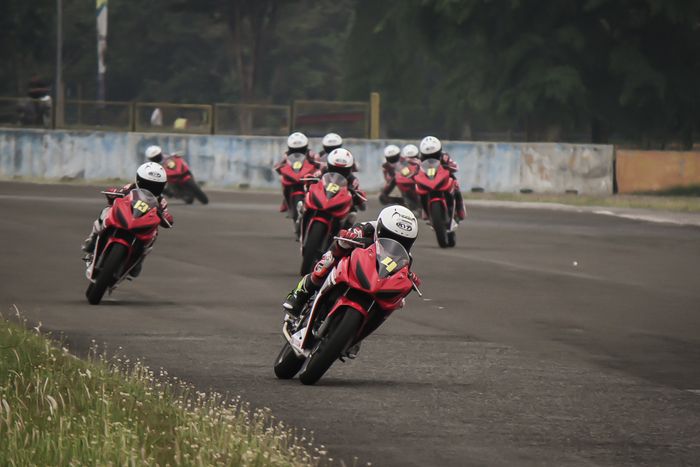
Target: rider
[[149, 176], [392, 155], [394, 222], [330, 142], [410, 153], [431, 148], [341, 161], [297, 143]]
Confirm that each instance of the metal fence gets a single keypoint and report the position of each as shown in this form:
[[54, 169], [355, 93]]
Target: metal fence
[[316, 118], [100, 115], [252, 119], [349, 118]]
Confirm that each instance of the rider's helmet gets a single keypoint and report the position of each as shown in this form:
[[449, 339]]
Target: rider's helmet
[[430, 148], [410, 151], [154, 153], [331, 141], [151, 176], [341, 161], [398, 223], [297, 142], [392, 153]]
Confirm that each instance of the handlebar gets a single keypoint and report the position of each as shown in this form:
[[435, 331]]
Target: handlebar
[[349, 240], [113, 193], [310, 179]]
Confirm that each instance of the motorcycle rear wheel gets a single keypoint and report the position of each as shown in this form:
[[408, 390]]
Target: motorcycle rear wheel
[[196, 191], [107, 276], [347, 322], [287, 364], [437, 217], [313, 247]]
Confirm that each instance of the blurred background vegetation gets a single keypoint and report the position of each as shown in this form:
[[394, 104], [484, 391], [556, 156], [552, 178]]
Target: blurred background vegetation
[[605, 71]]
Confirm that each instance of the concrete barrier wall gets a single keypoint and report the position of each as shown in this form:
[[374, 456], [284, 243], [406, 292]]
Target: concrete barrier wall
[[233, 160], [656, 170]]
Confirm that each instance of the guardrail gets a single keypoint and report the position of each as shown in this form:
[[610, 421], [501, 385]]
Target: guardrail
[[316, 118]]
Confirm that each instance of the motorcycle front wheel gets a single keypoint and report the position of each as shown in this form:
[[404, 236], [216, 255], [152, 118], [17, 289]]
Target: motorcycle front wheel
[[287, 364], [347, 322], [439, 221], [108, 273]]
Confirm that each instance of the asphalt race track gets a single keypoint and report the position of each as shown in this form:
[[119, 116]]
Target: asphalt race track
[[515, 355]]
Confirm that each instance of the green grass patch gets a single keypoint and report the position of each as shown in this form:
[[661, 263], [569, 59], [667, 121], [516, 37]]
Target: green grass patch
[[56, 409], [661, 203]]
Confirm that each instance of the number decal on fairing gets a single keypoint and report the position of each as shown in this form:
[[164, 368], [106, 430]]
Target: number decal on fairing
[[297, 165], [405, 171], [171, 164], [389, 263], [332, 187], [431, 172], [141, 206]]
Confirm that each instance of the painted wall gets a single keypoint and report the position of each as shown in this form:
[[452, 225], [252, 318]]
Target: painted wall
[[656, 170], [233, 160]]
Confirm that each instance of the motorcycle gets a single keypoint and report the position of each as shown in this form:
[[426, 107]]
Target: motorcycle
[[358, 295], [436, 187], [130, 230], [325, 211], [295, 175], [181, 183], [405, 172]]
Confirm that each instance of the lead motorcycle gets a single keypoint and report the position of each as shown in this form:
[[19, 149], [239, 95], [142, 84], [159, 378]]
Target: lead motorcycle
[[359, 294], [326, 208], [404, 176], [436, 187], [130, 230], [181, 183]]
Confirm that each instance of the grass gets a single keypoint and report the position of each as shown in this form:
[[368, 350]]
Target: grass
[[655, 202], [56, 409]]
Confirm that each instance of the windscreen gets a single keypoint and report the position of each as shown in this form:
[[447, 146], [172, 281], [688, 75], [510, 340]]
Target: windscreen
[[296, 161], [430, 167], [391, 256], [332, 183], [142, 201]]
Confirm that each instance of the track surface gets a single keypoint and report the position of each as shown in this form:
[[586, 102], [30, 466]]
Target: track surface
[[514, 357]]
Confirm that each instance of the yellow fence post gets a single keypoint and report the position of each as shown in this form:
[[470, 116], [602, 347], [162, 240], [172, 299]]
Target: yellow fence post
[[374, 103]]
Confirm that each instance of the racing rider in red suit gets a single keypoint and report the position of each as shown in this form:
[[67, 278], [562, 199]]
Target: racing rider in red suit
[[297, 143], [392, 223], [149, 176], [431, 148]]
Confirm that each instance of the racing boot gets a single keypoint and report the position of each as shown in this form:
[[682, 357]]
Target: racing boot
[[136, 270], [89, 246], [298, 297]]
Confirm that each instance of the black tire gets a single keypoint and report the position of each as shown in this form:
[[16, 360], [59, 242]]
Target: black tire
[[437, 218], [331, 345], [313, 247], [107, 275], [197, 191], [451, 239], [287, 364]]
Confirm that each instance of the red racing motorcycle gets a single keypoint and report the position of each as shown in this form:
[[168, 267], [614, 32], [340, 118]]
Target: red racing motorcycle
[[130, 230], [295, 175], [436, 187], [404, 177], [326, 207], [181, 183], [357, 296]]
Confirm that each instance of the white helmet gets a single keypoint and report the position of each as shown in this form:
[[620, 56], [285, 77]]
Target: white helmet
[[151, 176], [154, 153], [331, 141], [297, 142], [398, 223], [430, 146], [409, 151], [392, 153]]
